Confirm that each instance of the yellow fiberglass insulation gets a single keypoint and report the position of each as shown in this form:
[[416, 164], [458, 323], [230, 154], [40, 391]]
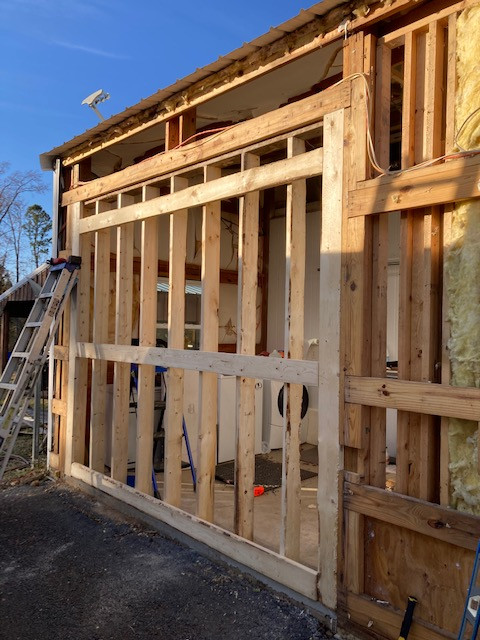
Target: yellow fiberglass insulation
[[462, 261]]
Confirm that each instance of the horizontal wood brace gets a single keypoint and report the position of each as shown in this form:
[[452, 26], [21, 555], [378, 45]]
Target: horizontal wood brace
[[448, 525], [283, 120], [60, 353], [59, 407], [284, 571], [265, 146], [364, 610], [417, 397], [295, 371], [278, 173], [456, 180]]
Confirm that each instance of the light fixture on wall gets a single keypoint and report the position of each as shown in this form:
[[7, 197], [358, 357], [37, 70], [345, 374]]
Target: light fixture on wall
[[96, 98]]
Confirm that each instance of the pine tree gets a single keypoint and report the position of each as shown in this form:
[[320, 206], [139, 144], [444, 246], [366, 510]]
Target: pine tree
[[38, 227]]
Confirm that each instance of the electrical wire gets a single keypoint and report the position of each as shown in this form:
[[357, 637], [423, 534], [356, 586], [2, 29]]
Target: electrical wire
[[463, 153]]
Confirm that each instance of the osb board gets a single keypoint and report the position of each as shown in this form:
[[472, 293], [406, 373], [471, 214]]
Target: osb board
[[400, 563]]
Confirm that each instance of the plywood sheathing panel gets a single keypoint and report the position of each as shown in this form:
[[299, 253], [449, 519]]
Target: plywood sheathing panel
[[462, 269], [437, 576]]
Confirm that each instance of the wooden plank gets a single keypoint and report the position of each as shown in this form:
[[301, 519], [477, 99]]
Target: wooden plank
[[452, 181], [377, 436], [295, 248], [400, 562], [357, 283], [409, 99], [434, 87], [418, 397], [123, 335], [225, 159], [207, 432], [296, 371], [147, 338], [59, 407], [356, 301], [291, 574], [277, 173], [430, 345], [329, 359], [246, 339], [60, 352], [451, 90], [384, 620], [383, 80], [101, 296], [78, 367], [283, 120], [176, 340], [434, 521]]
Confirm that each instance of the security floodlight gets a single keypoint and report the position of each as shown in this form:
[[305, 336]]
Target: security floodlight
[[96, 98]]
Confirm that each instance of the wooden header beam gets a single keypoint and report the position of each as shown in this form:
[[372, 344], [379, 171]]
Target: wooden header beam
[[456, 180], [273, 123], [277, 173]]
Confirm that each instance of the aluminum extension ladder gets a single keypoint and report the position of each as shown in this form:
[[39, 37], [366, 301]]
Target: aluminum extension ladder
[[471, 613], [18, 379]]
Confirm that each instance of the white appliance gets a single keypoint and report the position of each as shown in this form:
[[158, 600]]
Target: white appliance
[[226, 416], [272, 437], [227, 403]]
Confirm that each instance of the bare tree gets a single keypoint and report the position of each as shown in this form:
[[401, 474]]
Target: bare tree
[[14, 187], [13, 232]]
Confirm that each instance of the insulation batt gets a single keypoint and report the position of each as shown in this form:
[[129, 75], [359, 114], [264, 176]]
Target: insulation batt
[[462, 262]]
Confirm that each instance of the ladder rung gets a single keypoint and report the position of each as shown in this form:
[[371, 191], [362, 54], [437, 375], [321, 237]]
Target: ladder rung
[[33, 324], [20, 354], [8, 385], [45, 295]]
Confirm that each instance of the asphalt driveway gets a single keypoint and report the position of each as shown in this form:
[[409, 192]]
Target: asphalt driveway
[[72, 568]]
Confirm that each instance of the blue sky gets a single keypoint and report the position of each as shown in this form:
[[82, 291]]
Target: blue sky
[[56, 52]]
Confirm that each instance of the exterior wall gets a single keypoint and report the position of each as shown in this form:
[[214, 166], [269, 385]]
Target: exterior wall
[[376, 546]]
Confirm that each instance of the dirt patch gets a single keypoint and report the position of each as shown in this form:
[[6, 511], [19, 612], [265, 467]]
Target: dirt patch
[[68, 569]]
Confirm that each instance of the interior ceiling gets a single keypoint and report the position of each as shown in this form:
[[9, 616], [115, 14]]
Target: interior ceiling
[[247, 101]]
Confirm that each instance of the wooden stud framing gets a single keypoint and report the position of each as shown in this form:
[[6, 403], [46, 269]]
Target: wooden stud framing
[[294, 319], [377, 443], [420, 263], [100, 334], [356, 250], [246, 340], [76, 416], [147, 338], [207, 432], [329, 359], [123, 335], [176, 339]]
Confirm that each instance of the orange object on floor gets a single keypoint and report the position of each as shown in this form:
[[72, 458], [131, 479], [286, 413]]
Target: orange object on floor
[[258, 491]]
